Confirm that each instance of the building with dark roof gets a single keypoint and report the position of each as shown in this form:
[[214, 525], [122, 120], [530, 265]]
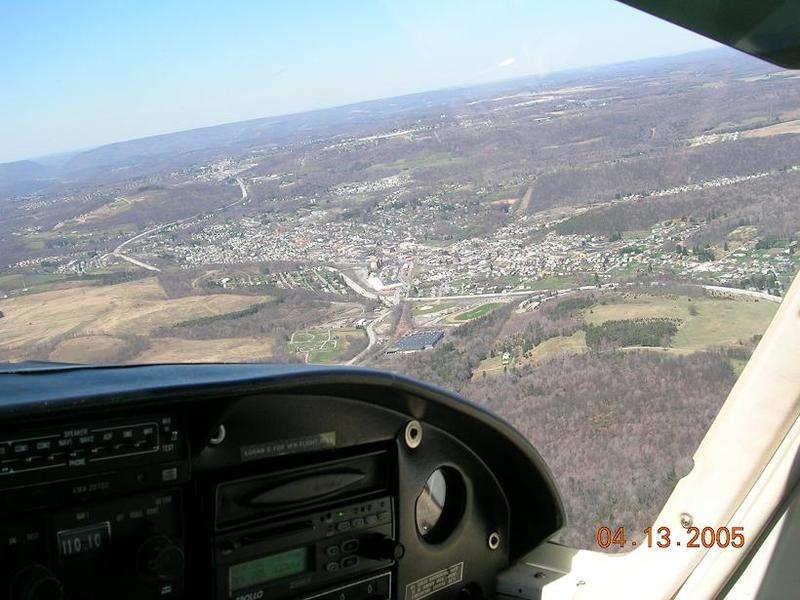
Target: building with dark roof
[[416, 341]]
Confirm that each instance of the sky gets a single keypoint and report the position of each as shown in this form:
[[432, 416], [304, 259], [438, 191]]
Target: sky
[[80, 74]]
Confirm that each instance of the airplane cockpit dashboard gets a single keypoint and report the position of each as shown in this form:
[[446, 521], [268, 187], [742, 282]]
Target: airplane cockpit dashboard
[[249, 482]]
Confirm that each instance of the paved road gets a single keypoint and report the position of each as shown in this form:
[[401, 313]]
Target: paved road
[[118, 250], [741, 292], [714, 288], [373, 338], [357, 288], [138, 263], [242, 187]]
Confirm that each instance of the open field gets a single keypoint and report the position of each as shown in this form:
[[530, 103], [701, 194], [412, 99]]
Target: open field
[[777, 129], [718, 322], [133, 308], [89, 349], [478, 311], [433, 160], [704, 323], [427, 309], [222, 350], [115, 207], [557, 346], [18, 281], [325, 346]]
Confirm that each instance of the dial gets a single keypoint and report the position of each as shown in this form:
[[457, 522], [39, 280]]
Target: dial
[[161, 558], [36, 582]]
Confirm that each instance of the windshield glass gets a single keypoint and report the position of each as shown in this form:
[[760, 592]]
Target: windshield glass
[[582, 218]]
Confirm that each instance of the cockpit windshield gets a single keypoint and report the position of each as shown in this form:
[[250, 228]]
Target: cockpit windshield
[[581, 217]]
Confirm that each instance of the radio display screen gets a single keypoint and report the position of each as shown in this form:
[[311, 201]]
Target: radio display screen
[[269, 568], [76, 542]]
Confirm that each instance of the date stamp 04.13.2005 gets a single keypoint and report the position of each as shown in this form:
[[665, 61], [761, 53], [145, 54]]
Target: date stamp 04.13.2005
[[664, 537]]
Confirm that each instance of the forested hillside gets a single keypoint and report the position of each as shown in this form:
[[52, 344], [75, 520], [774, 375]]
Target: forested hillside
[[616, 415]]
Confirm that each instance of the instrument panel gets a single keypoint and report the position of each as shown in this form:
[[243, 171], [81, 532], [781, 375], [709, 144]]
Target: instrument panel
[[250, 482]]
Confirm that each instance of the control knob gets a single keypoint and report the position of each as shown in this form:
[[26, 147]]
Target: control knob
[[36, 582], [161, 558]]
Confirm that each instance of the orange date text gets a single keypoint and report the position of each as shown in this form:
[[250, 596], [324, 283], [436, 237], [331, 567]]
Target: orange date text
[[663, 537]]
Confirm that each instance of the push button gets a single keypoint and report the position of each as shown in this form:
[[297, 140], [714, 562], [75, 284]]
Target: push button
[[44, 445], [358, 522], [21, 449], [332, 551], [332, 567], [350, 546], [350, 561]]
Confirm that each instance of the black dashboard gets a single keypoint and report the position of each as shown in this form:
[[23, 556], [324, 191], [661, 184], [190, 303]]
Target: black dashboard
[[250, 482]]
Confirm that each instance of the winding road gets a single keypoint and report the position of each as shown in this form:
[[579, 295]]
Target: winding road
[[373, 338], [117, 252]]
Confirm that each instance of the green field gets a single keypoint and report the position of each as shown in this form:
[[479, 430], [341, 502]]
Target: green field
[[34, 243], [705, 323], [717, 322], [17, 281], [557, 346], [431, 161], [426, 309], [325, 346], [478, 311]]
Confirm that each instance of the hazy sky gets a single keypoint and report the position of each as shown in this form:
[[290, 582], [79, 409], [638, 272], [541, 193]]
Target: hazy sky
[[78, 74]]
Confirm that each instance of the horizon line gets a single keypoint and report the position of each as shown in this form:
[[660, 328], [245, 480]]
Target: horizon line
[[76, 151]]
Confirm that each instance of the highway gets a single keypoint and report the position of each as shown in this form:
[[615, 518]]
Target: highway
[[357, 288], [373, 338], [117, 252], [713, 288]]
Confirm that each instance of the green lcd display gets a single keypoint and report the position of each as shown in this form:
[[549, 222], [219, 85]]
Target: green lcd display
[[269, 568]]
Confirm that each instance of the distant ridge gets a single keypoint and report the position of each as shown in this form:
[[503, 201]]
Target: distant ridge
[[110, 162], [23, 176]]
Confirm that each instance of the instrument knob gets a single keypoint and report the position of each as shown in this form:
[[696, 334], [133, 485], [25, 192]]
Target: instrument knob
[[161, 558], [382, 547], [36, 582]]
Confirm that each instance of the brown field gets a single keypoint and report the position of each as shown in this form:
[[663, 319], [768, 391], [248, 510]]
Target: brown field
[[89, 349], [115, 207], [133, 308], [167, 350], [576, 143], [525, 201], [770, 130]]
